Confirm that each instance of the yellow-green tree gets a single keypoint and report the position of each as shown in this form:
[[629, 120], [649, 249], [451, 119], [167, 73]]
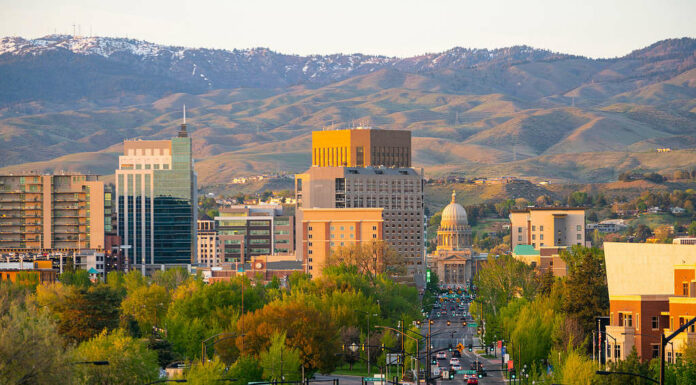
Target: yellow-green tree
[[130, 362], [281, 362], [147, 305]]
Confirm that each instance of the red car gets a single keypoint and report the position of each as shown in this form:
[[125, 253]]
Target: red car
[[472, 381]]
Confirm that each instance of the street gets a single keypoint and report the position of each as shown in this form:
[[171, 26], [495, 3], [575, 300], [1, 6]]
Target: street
[[444, 336]]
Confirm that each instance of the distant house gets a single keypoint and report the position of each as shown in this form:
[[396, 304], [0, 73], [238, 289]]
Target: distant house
[[677, 210], [608, 226], [653, 210], [664, 149]]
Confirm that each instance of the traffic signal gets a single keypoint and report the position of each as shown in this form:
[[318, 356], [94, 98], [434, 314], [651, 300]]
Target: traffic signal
[[464, 323], [451, 375], [513, 375], [471, 347], [450, 347], [432, 322], [448, 323], [363, 347]]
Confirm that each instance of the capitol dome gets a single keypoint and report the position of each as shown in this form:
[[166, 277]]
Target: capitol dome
[[453, 215]]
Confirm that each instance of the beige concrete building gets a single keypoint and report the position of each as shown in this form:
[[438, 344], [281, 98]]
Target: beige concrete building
[[326, 229], [551, 226], [398, 191], [51, 212], [361, 147], [208, 248], [652, 291]]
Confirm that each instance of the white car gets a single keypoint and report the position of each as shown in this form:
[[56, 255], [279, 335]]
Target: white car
[[454, 361], [441, 355], [456, 367]]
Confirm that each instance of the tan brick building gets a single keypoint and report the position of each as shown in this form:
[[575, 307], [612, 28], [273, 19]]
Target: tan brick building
[[324, 230]]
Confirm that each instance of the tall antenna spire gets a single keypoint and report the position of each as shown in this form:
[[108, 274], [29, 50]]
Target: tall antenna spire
[[182, 132]]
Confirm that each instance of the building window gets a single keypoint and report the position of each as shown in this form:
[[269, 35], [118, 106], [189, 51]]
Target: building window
[[519, 229], [617, 352], [655, 351], [655, 323], [534, 236], [541, 228], [519, 238], [541, 237], [309, 252], [374, 228], [579, 237], [533, 228], [374, 236], [309, 228], [579, 227]]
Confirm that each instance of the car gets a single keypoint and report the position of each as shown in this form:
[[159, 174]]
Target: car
[[456, 353], [456, 367], [472, 381], [454, 361], [441, 355]]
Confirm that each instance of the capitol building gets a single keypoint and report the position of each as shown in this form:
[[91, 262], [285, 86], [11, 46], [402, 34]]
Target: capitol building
[[454, 260]]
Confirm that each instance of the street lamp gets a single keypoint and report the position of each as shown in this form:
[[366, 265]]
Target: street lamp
[[368, 336], [353, 347]]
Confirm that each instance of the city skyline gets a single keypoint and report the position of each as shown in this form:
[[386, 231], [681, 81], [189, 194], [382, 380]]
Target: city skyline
[[389, 28]]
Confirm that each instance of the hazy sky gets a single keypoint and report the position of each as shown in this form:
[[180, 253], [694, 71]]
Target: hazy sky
[[595, 28]]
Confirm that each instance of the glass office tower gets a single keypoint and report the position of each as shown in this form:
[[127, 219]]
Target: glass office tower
[[156, 194]]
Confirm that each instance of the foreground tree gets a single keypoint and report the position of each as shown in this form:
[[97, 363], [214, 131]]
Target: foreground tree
[[315, 335], [587, 295], [130, 361], [31, 352], [281, 362]]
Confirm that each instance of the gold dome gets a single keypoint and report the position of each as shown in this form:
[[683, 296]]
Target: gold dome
[[453, 215]]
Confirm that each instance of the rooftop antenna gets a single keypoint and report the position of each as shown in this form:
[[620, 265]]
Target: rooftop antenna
[[73, 29], [182, 132]]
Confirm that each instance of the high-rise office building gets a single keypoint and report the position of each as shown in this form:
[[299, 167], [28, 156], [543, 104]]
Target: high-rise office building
[[51, 213], [156, 202], [398, 191], [247, 231], [361, 147]]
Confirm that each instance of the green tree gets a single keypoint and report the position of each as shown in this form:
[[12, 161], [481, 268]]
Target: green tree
[[246, 369], [81, 313], [280, 362], [692, 228], [502, 279], [130, 362], [171, 278], [78, 278], [587, 295], [133, 280], [206, 372], [31, 352], [147, 305]]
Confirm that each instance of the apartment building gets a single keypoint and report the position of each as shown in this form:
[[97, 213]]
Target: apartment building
[[51, 213], [361, 147], [247, 231], [398, 191], [325, 230], [208, 247], [156, 202], [552, 226]]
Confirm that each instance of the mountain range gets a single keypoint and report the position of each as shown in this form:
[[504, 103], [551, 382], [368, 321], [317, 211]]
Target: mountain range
[[68, 102]]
